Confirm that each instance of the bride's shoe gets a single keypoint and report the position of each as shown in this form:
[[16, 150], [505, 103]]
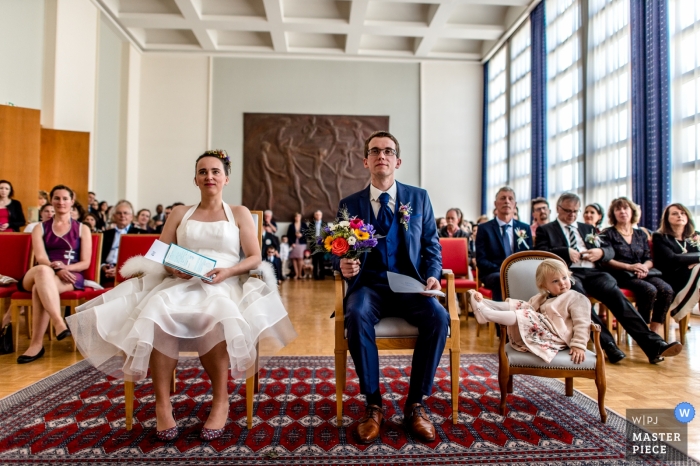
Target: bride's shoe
[[476, 307], [168, 435]]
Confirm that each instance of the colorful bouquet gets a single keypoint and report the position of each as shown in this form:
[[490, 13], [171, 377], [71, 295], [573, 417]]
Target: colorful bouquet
[[347, 238]]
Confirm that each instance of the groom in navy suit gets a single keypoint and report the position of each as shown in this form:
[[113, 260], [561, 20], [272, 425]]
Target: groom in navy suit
[[498, 239], [407, 244]]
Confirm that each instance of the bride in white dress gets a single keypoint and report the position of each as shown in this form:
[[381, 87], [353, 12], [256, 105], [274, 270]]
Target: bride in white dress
[[148, 321]]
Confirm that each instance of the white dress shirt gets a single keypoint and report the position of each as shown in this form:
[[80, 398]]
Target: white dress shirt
[[580, 244], [374, 199], [114, 250]]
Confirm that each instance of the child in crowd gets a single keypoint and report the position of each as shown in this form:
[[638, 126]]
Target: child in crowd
[[284, 257], [308, 268], [556, 318], [272, 256]]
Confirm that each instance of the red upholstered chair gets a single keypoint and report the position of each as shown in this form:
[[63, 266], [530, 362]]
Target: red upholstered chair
[[15, 260], [130, 246], [70, 299], [455, 258]]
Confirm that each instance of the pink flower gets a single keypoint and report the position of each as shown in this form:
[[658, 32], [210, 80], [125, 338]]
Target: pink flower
[[356, 223]]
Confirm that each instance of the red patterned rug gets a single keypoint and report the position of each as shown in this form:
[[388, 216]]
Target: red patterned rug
[[77, 417]]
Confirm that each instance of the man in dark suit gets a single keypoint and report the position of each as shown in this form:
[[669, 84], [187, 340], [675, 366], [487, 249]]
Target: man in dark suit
[[123, 216], [584, 251], [272, 256], [407, 244], [318, 259], [498, 239]]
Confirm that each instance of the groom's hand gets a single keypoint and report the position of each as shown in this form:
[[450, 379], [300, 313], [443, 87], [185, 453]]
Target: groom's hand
[[432, 284], [349, 267]]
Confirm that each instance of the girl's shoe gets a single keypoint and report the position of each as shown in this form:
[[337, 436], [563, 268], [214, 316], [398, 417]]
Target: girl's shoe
[[476, 307]]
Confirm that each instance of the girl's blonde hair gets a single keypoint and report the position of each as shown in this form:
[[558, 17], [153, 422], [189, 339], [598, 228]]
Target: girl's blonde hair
[[547, 268]]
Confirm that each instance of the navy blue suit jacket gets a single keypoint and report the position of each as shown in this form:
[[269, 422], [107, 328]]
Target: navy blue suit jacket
[[489, 245], [420, 240]]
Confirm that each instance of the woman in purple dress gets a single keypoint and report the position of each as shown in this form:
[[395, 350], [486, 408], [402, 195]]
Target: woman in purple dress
[[62, 249]]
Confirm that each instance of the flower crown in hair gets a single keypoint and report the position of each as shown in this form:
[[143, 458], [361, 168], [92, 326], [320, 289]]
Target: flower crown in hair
[[220, 153]]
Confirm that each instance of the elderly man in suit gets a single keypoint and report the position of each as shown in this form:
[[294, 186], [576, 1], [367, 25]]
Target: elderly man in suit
[[123, 217], [407, 244], [584, 251], [498, 239]]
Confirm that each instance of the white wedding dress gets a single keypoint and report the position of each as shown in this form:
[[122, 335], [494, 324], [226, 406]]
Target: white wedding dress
[[117, 331]]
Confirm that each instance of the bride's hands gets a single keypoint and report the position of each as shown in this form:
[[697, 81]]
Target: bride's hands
[[179, 274], [218, 276]]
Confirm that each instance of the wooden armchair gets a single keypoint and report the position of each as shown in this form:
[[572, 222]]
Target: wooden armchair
[[395, 333], [518, 281]]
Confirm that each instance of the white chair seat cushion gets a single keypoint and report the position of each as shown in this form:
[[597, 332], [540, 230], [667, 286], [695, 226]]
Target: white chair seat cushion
[[561, 361], [395, 327]]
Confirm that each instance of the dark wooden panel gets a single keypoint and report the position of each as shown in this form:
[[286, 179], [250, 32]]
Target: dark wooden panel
[[20, 139], [302, 163], [65, 159]]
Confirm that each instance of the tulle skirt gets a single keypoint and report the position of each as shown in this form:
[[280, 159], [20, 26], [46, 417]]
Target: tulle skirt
[[118, 330]]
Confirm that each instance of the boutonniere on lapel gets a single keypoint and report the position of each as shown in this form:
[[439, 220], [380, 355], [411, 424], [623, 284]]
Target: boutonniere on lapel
[[521, 236], [594, 239], [405, 211]]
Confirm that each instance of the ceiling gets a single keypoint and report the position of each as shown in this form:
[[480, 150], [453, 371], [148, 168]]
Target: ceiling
[[415, 29]]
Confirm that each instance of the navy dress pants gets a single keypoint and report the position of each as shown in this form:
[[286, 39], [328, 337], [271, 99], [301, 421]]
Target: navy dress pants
[[366, 306]]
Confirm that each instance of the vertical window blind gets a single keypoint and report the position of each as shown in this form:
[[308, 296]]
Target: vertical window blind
[[497, 172]]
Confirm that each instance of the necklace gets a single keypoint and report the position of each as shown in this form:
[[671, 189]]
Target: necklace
[[684, 250], [623, 233]]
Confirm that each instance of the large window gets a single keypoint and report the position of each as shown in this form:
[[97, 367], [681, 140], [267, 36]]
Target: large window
[[685, 103], [519, 162], [497, 152], [609, 114], [564, 98]]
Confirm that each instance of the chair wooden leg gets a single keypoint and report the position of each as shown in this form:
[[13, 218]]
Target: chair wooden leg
[[503, 378], [478, 329], [492, 333], [683, 328], [173, 382], [510, 384], [341, 361], [14, 313], [249, 399], [129, 403], [569, 386], [601, 385], [454, 379]]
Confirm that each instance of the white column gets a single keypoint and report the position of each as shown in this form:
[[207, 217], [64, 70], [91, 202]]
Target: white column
[[131, 96]]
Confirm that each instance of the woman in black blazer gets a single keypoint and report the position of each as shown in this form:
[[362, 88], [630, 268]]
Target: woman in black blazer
[[11, 214], [676, 249]]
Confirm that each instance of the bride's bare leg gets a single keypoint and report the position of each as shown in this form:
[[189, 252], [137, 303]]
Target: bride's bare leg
[[216, 363], [491, 311], [162, 368]]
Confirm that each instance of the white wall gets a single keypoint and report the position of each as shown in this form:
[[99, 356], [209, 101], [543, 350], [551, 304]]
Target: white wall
[[452, 103], [106, 170], [21, 52], [173, 127]]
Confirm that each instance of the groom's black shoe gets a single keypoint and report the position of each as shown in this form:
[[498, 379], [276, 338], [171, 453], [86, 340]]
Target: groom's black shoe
[[614, 353]]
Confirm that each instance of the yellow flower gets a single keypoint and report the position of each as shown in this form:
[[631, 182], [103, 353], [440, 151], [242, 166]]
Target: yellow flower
[[361, 235], [327, 242]]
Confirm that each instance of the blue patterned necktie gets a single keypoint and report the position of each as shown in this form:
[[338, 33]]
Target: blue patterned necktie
[[506, 243], [385, 216]]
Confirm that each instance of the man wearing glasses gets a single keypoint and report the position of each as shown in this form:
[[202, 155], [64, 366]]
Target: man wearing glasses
[[540, 214], [407, 244], [123, 215], [584, 251]]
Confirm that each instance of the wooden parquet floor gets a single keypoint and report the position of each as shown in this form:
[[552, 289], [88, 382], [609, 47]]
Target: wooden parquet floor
[[634, 383]]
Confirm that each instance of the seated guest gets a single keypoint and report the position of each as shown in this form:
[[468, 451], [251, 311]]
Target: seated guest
[[11, 213], [296, 234], [43, 198], [45, 212], [593, 215], [498, 239], [632, 266], [540, 214], [583, 251], [77, 212], [123, 215], [91, 221], [143, 216], [268, 222], [452, 229], [92, 199], [677, 254], [440, 222], [102, 213], [159, 217], [62, 249], [272, 256], [166, 214]]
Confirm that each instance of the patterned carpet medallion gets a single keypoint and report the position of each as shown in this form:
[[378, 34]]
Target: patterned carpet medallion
[[77, 417]]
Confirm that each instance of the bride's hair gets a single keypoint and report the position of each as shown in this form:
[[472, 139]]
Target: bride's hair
[[219, 154]]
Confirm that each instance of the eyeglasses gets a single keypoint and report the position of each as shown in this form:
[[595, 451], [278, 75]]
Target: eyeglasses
[[569, 211], [375, 151]]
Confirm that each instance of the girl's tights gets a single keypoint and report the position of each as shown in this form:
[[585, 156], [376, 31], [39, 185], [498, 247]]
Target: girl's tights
[[492, 311]]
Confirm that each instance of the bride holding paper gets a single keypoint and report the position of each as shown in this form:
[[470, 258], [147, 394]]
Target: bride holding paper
[[222, 316]]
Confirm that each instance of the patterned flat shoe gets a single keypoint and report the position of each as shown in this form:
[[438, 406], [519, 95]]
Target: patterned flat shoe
[[208, 435], [167, 435]]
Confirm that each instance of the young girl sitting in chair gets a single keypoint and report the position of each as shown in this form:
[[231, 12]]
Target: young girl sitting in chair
[[554, 319]]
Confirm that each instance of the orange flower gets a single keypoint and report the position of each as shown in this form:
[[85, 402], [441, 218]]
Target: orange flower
[[340, 246]]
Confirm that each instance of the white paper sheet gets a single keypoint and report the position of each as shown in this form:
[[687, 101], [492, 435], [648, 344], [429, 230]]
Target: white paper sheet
[[157, 252], [405, 284]]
